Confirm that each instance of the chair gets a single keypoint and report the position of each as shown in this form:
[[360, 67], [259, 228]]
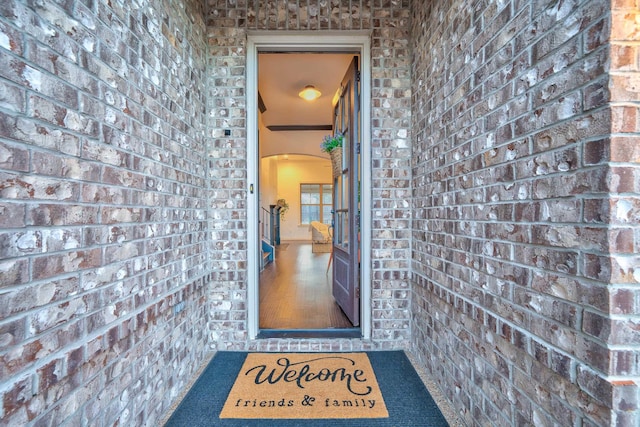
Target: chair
[[321, 238]]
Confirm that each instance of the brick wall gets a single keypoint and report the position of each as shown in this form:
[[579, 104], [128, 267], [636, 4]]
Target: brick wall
[[619, 325], [227, 26], [512, 267], [525, 232], [102, 224]]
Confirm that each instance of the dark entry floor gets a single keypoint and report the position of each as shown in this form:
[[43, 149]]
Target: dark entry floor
[[407, 400]]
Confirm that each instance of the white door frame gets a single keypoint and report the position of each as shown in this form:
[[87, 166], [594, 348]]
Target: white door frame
[[307, 41]]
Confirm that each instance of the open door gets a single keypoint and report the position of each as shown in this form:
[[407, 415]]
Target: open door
[[346, 218]]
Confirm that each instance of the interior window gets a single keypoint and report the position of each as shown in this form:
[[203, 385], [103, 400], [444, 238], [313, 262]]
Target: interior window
[[316, 202]]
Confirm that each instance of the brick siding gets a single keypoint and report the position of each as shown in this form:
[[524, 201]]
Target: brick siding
[[227, 26], [525, 260], [504, 194], [102, 222]]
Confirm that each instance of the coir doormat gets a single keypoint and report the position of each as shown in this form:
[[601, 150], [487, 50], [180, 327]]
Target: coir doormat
[[305, 385], [402, 392]]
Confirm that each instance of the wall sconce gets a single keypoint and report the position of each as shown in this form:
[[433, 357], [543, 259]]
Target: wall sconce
[[309, 93]]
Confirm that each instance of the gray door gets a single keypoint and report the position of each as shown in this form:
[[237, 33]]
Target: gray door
[[346, 232]]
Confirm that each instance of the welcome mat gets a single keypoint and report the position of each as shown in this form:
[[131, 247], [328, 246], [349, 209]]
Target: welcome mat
[[305, 385], [406, 399]]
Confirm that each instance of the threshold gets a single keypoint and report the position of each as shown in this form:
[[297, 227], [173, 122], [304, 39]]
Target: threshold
[[310, 333]]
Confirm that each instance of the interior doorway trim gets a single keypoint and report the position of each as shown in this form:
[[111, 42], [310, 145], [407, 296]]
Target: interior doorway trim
[[306, 41]]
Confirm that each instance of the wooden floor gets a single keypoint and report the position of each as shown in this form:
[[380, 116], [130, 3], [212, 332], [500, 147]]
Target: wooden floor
[[295, 291]]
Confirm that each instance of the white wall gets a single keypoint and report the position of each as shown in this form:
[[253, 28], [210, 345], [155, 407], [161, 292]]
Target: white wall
[[292, 142], [289, 174], [268, 182]]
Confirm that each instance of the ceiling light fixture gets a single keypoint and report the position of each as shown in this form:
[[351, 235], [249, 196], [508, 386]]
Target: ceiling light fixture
[[309, 93]]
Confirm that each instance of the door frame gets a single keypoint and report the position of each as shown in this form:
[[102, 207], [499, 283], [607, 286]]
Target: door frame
[[306, 41]]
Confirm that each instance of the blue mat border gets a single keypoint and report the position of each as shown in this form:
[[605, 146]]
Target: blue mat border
[[407, 399]]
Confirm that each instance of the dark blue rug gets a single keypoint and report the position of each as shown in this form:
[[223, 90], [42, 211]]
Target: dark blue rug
[[407, 399]]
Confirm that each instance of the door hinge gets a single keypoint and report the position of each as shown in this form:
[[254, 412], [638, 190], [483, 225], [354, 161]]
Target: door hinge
[[358, 76], [358, 148], [358, 292]]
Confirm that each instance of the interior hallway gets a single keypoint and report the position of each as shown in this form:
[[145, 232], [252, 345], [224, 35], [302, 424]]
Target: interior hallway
[[295, 291]]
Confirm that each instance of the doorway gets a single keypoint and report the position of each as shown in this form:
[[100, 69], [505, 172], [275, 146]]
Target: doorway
[[308, 280], [337, 44]]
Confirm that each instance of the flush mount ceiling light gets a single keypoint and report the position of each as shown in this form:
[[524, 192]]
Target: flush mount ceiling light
[[309, 93]]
